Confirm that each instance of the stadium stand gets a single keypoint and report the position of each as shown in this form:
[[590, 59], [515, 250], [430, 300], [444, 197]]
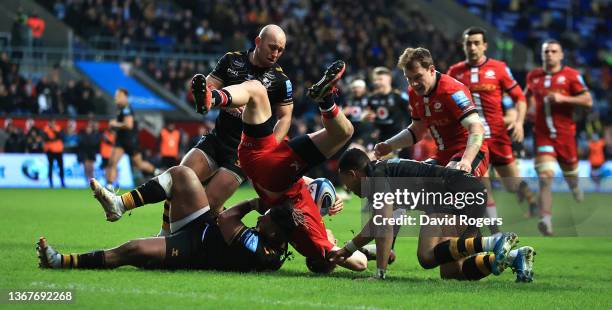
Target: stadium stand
[[364, 33]]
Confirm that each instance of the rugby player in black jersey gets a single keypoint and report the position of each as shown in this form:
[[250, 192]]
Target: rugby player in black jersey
[[126, 141], [214, 159], [198, 240], [458, 249]]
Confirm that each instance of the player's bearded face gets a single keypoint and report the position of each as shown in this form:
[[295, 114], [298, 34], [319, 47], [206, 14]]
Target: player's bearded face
[[420, 79], [474, 47]]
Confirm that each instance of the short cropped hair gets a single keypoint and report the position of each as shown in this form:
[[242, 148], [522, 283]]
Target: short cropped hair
[[476, 30], [381, 70], [124, 91], [353, 159], [552, 41], [412, 56]]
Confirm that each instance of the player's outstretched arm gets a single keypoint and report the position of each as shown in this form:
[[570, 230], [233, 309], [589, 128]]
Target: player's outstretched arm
[[230, 221], [475, 139], [404, 138]]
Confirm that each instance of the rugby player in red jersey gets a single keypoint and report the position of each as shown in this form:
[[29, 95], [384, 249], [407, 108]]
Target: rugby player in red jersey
[[556, 90], [487, 80], [444, 106], [276, 168]]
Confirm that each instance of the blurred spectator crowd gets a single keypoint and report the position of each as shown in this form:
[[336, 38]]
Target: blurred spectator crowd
[[47, 95], [366, 34]]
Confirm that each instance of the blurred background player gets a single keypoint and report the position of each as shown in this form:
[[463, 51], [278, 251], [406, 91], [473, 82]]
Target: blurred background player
[[387, 108], [354, 110], [126, 139], [555, 90], [54, 148], [107, 140], [487, 80], [89, 144], [169, 143]]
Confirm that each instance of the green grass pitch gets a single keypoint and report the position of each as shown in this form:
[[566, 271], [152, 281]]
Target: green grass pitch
[[570, 272]]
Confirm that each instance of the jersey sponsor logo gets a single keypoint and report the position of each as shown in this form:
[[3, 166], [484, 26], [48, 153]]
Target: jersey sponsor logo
[[266, 82], [461, 99], [561, 79], [237, 63], [295, 165], [175, 252], [269, 75], [289, 88], [232, 72], [536, 80], [490, 74], [482, 87], [382, 112], [126, 110], [460, 75], [437, 105]]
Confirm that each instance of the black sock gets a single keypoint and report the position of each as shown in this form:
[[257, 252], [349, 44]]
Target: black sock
[[91, 260], [221, 97], [477, 266], [149, 192], [166, 217], [327, 103]]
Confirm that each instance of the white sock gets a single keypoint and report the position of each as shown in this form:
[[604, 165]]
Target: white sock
[[119, 201], [512, 255], [165, 180], [488, 243], [491, 212], [546, 219]]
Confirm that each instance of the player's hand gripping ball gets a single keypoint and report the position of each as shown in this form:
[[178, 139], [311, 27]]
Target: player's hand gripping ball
[[323, 193]]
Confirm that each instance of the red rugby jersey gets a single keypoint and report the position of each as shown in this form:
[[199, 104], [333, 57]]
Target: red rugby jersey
[[487, 82], [554, 119], [442, 111]]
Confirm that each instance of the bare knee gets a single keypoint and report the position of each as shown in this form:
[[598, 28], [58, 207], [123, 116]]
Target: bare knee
[[198, 162], [256, 89], [133, 248], [181, 173]]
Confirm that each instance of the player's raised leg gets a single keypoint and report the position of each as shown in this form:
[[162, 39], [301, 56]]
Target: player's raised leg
[[157, 189], [337, 128]]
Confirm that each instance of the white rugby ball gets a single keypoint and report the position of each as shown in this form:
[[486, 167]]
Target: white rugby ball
[[323, 193]]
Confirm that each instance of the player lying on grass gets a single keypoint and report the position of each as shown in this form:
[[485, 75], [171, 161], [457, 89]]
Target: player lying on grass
[[458, 249], [199, 239], [276, 168]]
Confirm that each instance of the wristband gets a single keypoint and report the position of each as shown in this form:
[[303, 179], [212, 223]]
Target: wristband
[[350, 246]]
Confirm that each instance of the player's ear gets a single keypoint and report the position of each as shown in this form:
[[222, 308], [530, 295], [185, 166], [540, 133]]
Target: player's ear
[[257, 40]]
